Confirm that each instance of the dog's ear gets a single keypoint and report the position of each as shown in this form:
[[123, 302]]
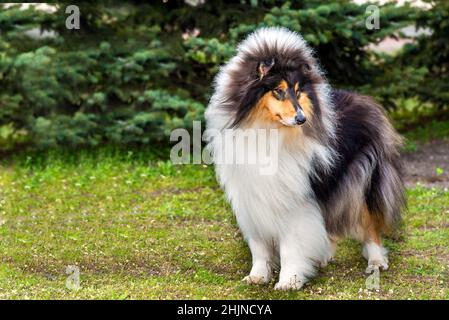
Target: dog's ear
[[265, 66]]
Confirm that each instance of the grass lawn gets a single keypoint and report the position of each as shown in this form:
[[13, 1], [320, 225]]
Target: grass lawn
[[139, 228]]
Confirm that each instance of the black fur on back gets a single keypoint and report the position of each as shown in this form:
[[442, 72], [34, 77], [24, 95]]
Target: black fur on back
[[367, 156]]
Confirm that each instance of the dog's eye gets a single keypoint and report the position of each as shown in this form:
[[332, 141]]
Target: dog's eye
[[268, 62], [279, 94]]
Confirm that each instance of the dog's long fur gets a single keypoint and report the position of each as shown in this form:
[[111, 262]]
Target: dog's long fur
[[338, 173]]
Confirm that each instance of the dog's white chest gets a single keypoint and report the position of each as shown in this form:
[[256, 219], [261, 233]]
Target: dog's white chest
[[265, 204]]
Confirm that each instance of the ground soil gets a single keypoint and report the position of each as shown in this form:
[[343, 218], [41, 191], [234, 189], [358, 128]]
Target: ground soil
[[421, 165]]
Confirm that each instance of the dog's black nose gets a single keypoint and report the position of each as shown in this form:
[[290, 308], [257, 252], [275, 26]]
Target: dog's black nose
[[300, 118]]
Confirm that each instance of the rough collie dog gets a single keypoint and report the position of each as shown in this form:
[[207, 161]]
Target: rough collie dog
[[338, 168]]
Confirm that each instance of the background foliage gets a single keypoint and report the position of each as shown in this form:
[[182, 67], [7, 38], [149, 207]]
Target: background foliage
[[133, 72]]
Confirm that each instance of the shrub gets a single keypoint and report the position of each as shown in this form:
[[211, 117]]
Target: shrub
[[134, 72]]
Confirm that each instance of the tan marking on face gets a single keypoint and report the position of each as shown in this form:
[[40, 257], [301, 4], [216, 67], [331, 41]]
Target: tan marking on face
[[271, 109], [282, 111], [306, 105], [283, 85]]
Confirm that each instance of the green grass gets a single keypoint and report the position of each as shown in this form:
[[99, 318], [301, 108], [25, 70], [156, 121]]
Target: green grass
[[139, 228]]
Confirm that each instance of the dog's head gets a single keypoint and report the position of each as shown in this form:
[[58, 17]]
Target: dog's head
[[275, 79], [285, 96]]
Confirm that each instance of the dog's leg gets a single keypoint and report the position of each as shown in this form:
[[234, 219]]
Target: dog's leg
[[303, 244], [373, 251], [333, 241], [293, 267], [376, 256], [261, 270]]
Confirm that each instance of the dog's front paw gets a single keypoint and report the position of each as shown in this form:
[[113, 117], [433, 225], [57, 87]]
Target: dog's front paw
[[324, 263], [288, 285], [374, 265], [255, 280]]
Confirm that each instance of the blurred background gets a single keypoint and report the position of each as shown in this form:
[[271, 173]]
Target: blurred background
[[134, 71]]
